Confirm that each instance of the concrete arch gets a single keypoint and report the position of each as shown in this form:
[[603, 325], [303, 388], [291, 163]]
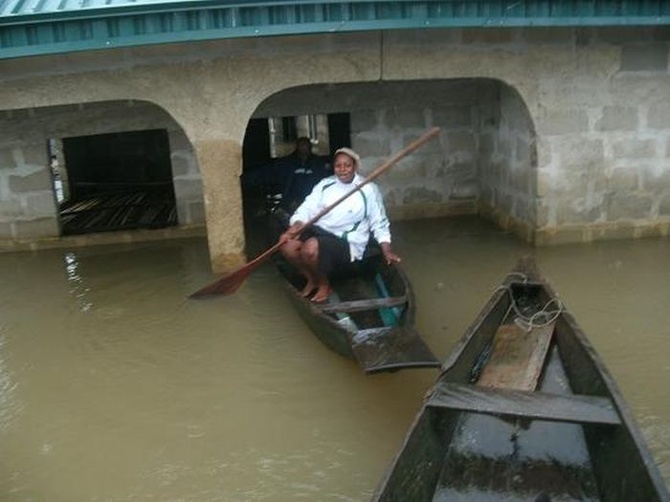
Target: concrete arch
[[29, 210], [484, 162]]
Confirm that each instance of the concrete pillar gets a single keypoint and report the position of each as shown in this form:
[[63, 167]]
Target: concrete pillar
[[220, 165], [187, 180], [27, 205]]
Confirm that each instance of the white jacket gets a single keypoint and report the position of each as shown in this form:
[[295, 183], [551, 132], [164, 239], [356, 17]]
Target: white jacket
[[354, 219]]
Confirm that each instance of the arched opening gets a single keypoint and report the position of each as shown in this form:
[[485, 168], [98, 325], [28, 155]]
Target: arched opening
[[483, 163], [97, 167]]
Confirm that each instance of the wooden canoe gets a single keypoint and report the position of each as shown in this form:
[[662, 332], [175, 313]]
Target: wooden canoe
[[369, 317], [523, 411]]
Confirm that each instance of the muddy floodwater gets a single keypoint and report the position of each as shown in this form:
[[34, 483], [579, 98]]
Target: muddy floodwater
[[115, 387]]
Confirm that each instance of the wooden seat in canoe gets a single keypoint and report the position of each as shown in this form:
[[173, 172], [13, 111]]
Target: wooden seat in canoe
[[517, 357], [361, 305], [524, 404]]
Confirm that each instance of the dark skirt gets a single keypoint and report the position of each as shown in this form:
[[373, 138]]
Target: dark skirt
[[333, 250]]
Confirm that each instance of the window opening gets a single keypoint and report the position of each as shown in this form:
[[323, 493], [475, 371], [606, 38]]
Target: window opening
[[58, 171], [118, 181]]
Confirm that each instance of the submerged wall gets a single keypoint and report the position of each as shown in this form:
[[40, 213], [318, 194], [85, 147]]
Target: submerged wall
[[562, 135]]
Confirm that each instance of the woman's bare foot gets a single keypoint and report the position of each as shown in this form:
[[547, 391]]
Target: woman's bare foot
[[322, 294], [308, 289]]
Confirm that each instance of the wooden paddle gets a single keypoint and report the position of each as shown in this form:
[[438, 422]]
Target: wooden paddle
[[230, 283]]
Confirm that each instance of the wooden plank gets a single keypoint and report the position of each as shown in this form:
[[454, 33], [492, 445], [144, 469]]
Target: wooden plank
[[524, 404], [517, 357], [360, 305]]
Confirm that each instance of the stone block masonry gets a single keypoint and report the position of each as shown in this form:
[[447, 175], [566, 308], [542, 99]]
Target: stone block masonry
[[559, 134], [28, 206]]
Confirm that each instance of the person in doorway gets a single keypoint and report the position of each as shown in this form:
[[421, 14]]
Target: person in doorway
[[292, 176], [341, 235], [302, 171]]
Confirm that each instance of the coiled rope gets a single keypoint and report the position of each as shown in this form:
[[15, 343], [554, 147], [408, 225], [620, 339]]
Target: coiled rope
[[543, 317]]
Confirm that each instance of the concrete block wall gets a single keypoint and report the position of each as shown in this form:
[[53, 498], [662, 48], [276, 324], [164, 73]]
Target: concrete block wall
[[27, 199], [508, 161], [436, 180], [187, 179], [603, 133], [596, 98]]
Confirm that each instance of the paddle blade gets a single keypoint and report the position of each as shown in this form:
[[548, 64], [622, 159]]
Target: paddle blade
[[224, 286]]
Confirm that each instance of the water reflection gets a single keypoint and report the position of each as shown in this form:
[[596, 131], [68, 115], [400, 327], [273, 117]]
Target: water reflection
[[78, 287], [10, 408]]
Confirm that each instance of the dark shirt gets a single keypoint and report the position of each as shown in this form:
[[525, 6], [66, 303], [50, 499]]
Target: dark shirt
[[301, 176], [288, 176]]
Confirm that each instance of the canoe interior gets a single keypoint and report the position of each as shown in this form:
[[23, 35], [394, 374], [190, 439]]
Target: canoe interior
[[583, 452], [357, 282]]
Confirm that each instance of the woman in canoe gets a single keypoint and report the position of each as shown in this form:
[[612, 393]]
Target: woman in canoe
[[341, 235]]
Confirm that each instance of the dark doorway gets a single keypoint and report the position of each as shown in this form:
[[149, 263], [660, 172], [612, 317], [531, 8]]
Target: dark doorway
[[339, 131], [268, 142], [119, 181], [256, 146], [269, 154]]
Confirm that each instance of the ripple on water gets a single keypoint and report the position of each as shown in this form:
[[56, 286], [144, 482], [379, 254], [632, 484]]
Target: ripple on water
[[10, 404]]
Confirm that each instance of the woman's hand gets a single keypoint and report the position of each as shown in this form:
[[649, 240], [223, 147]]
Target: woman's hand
[[291, 232], [389, 256]]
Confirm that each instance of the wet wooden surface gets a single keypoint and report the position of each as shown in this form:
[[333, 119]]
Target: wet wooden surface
[[524, 404], [389, 348], [517, 357], [153, 208]]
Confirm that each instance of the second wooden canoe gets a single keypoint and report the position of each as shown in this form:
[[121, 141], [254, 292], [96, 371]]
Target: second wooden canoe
[[524, 410]]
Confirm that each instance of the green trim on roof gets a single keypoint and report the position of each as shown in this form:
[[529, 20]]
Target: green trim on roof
[[37, 27]]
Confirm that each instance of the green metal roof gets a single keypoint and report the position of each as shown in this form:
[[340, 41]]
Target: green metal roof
[[35, 27]]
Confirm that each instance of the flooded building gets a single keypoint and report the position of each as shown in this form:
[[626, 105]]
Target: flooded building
[[135, 120]]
